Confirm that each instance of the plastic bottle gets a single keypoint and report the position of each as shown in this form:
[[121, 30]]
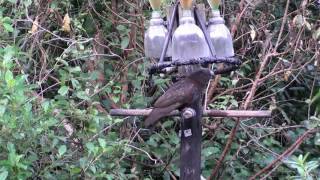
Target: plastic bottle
[[188, 41], [154, 37], [220, 36]]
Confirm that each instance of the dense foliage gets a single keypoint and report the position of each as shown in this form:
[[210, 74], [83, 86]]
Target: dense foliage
[[65, 63]]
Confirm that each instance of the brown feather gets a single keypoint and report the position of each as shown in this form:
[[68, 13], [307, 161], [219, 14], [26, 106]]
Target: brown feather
[[182, 93], [158, 113]]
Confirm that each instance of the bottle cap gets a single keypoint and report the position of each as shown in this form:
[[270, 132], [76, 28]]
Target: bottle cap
[[155, 4], [214, 4], [186, 4]]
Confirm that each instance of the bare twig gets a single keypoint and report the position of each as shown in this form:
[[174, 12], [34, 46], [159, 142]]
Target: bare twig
[[282, 25], [286, 153]]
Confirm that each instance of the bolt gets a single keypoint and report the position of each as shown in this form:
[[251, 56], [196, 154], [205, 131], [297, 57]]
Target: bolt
[[188, 113]]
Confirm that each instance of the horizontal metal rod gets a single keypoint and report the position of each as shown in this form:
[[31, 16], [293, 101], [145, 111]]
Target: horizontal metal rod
[[206, 113], [203, 61]]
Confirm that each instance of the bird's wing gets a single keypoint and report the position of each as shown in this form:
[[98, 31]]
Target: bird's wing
[[158, 113], [182, 92]]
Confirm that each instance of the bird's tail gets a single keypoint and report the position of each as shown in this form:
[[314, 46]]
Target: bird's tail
[[158, 113]]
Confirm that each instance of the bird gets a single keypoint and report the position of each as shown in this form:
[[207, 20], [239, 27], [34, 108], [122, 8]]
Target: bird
[[181, 94]]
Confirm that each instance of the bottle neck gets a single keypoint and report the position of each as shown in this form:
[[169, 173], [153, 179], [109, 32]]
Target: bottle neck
[[216, 17], [186, 13], [215, 13], [187, 17], [156, 18], [155, 14]]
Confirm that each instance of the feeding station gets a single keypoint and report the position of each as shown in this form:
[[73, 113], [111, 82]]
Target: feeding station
[[187, 42]]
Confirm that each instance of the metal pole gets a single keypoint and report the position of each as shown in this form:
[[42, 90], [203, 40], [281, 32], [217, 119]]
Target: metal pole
[[170, 29], [204, 30], [206, 113]]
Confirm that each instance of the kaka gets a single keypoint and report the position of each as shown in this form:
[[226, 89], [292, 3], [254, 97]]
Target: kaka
[[181, 94]]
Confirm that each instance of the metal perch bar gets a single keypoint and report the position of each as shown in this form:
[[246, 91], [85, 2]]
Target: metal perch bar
[[206, 113]]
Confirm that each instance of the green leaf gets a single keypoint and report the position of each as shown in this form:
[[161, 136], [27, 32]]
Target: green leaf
[[27, 2], [2, 110], [10, 147], [152, 141], [63, 90], [121, 27], [102, 142], [8, 27], [3, 106], [116, 99], [83, 162], [4, 175], [117, 120], [82, 95], [93, 169], [124, 42], [174, 138], [75, 69], [75, 83], [9, 52], [75, 170], [8, 76], [12, 1], [45, 105], [62, 149], [210, 150], [167, 124], [9, 79], [90, 146], [311, 165]]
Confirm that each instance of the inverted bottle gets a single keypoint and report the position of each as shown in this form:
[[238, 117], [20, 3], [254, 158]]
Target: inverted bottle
[[155, 35], [220, 35], [188, 41]]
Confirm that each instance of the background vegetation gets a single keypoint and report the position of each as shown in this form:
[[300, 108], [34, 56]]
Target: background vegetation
[[65, 63]]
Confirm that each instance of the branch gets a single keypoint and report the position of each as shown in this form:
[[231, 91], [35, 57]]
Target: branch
[[225, 150], [238, 17], [286, 153]]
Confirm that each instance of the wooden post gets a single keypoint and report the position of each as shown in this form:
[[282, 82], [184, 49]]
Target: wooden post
[[190, 149]]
